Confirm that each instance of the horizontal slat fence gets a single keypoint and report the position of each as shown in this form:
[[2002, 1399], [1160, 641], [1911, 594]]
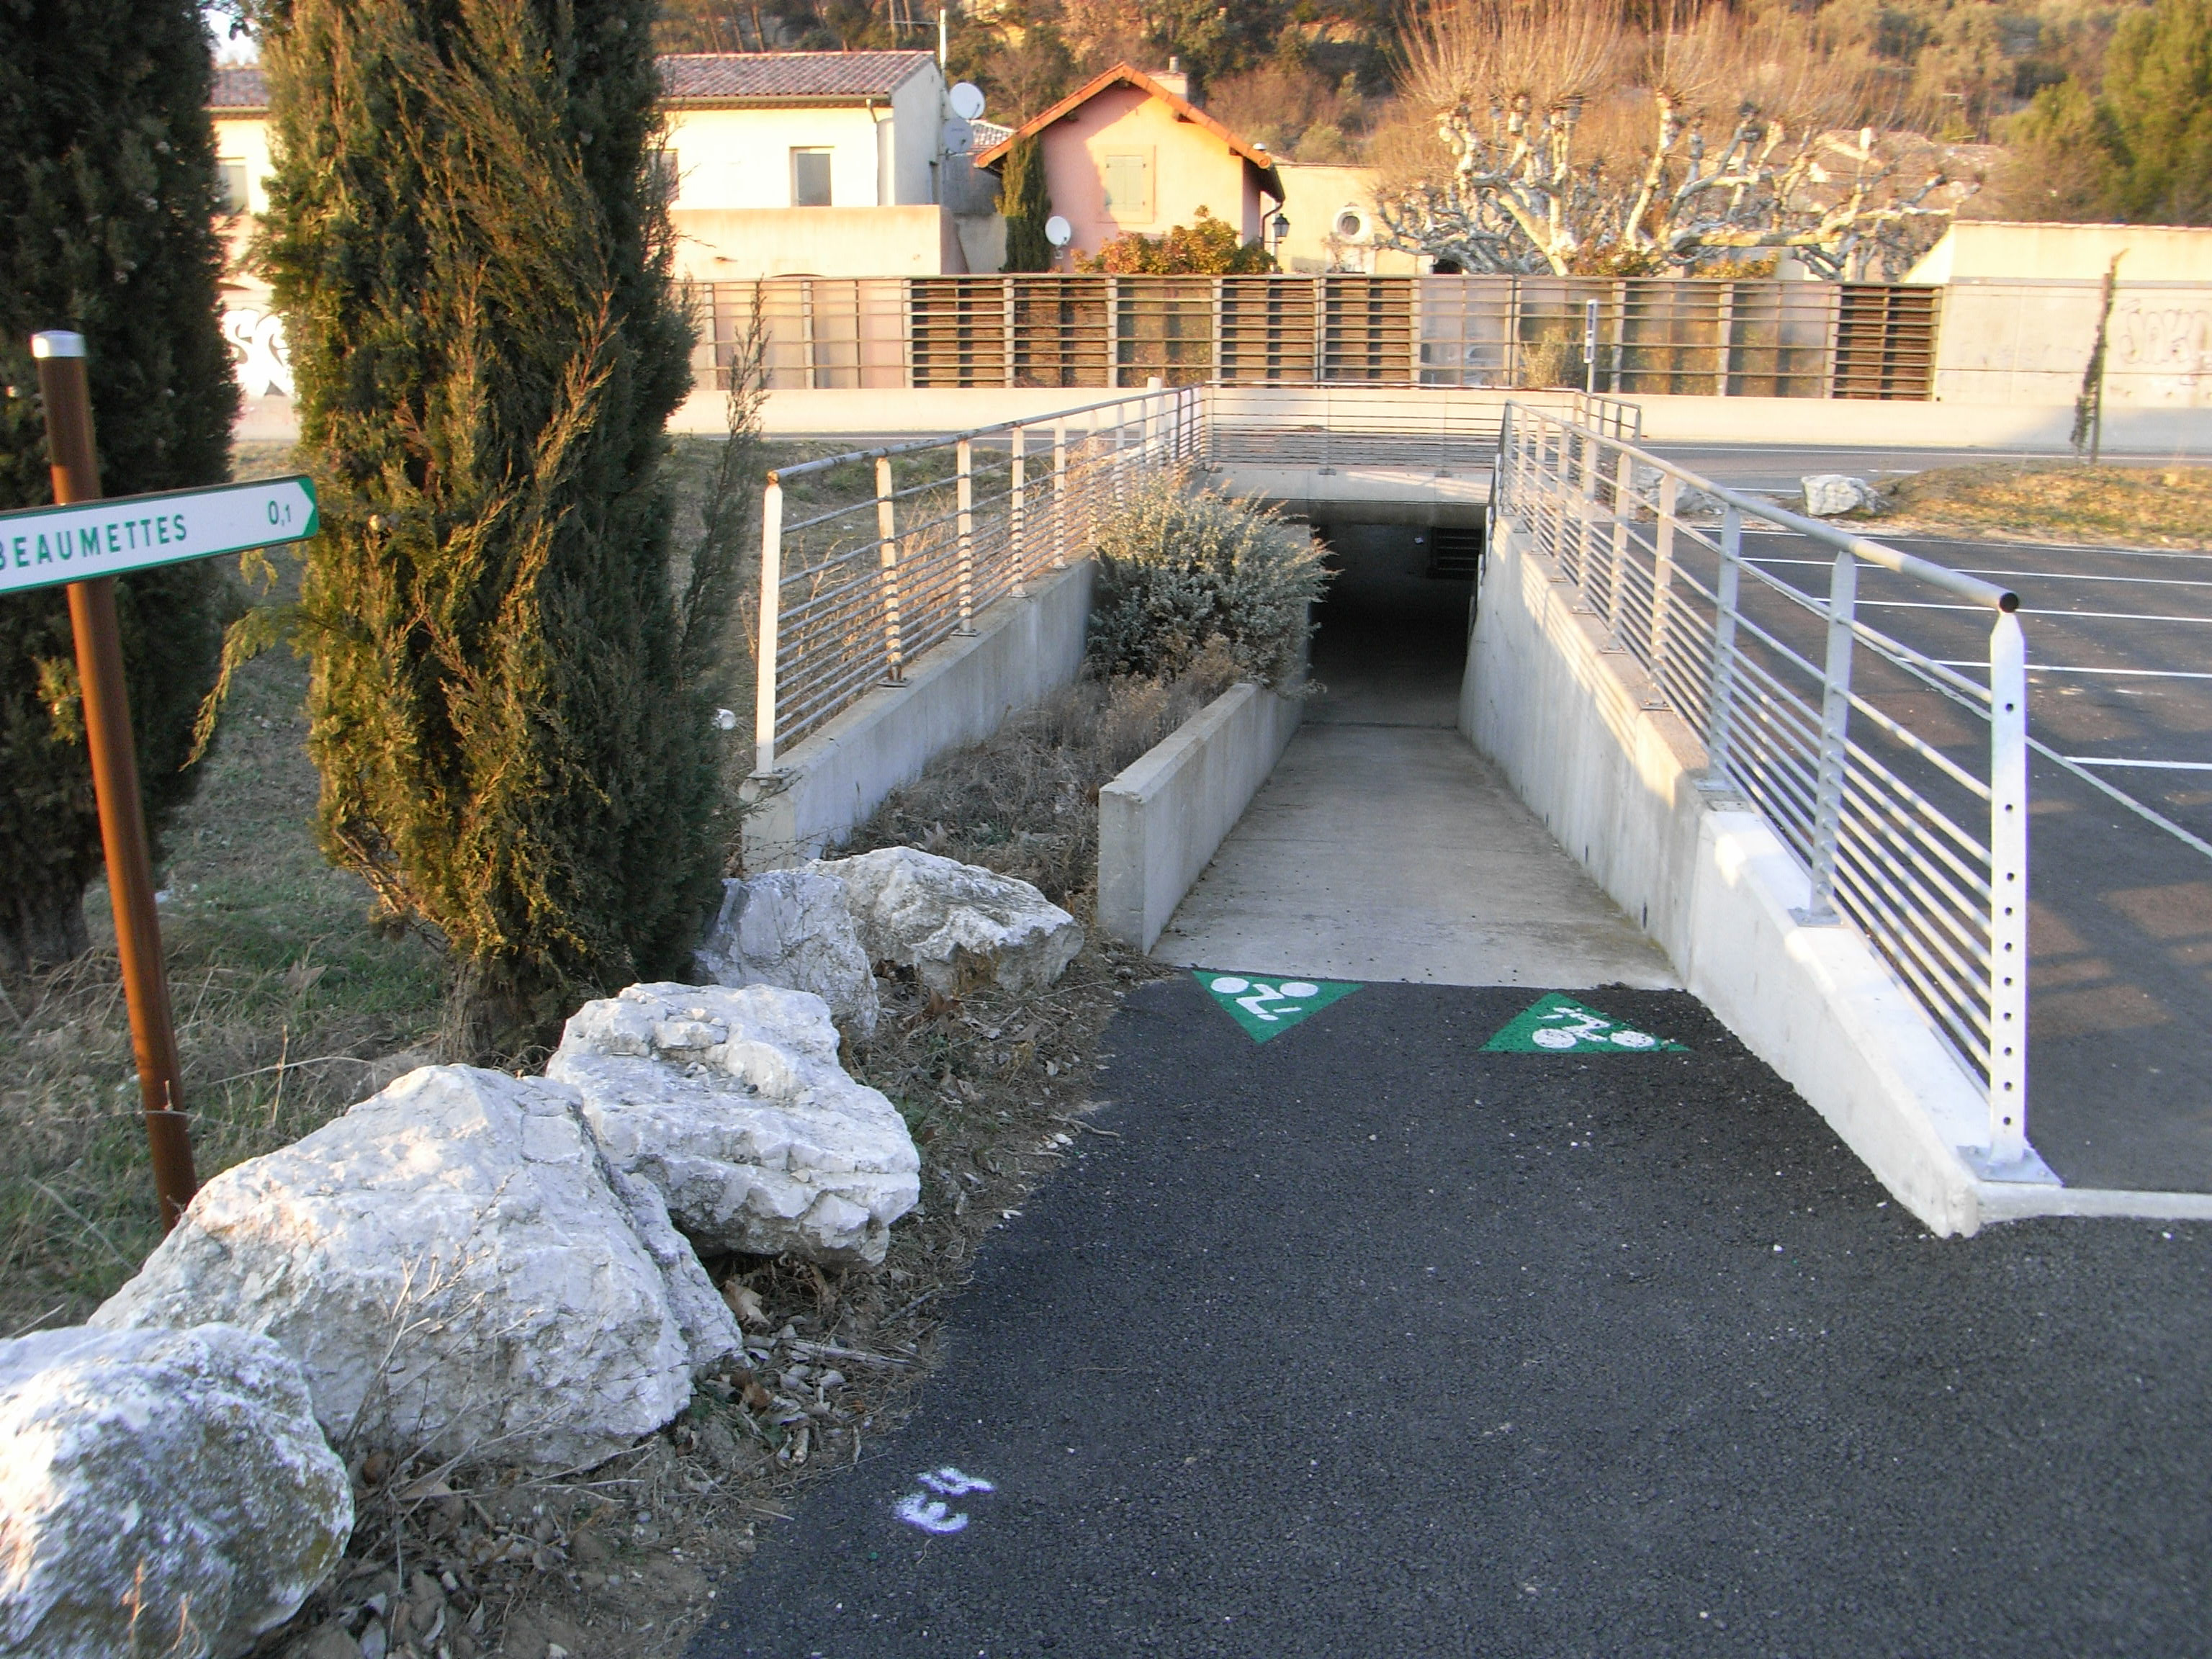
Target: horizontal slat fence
[[1655, 336]]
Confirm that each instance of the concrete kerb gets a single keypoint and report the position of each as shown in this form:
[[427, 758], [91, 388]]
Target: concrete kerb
[[1617, 783], [1161, 820], [957, 693]]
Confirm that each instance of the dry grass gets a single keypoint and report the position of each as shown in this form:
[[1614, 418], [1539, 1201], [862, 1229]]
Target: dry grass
[[291, 1007], [2142, 506], [1024, 801]]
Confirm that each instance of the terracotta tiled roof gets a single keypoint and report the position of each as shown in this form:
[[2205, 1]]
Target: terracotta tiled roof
[[792, 76], [1127, 74], [239, 87], [703, 76]]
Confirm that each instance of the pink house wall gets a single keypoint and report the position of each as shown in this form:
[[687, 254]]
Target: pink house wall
[[1191, 168]]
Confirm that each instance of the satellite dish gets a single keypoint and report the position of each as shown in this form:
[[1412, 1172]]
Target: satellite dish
[[1058, 231], [957, 137], [966, 98]]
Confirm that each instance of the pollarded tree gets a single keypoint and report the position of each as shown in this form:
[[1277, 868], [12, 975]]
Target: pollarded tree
[[1579, 144], [472, 255], [107, 189]]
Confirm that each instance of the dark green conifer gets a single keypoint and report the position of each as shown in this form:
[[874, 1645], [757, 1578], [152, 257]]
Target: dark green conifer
[[1023, 200], [108, 195], [471, 253]]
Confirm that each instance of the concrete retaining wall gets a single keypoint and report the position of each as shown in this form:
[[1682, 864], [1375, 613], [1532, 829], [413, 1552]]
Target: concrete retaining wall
[[1161, 821], [956, 694], [1618, 785]]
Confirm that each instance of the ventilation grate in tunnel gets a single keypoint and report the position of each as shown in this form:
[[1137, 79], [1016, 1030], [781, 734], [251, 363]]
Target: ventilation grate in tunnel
[[1455, 556]]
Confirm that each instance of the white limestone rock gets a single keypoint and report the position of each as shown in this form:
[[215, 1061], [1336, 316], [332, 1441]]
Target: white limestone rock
[[160, 1492], [731, 1102], [1831, 494], [793, 928], [459, 1270], [956, 925]]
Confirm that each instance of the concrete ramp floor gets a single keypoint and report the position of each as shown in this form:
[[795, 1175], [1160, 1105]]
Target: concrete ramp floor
[[1392, 851]]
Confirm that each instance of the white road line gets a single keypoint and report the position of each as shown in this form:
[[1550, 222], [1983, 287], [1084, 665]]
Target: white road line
[[2082, 616], [2023, 575], [2055, 668], [2163, 766]]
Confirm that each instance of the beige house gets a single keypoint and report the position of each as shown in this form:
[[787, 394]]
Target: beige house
[[806, 163], [1332, 224]]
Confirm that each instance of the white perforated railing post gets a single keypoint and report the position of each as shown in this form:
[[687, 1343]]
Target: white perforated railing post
[[1835, 736], [1120, 439], [1616, 578], [1059, 494], [964, 529], [1662, 575], [1017, 529], [1582, 556], [2007, 891], [771, 595], [887, 546], [1727, 593]]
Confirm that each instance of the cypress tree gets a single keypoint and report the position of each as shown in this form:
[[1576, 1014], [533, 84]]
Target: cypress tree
[[1022, 199], [472, 257], [107, 189]]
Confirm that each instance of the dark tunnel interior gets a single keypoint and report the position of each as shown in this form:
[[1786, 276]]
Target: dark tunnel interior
[[1391, 643]]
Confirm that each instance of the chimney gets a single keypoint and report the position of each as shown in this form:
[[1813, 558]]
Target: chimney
[[1174, 78]]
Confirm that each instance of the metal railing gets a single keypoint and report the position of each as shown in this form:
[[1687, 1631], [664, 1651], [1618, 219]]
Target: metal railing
[[1867, 757], [915, 539], [1441, 430]]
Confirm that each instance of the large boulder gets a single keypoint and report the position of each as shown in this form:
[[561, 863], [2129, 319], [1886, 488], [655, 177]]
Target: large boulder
[[956, 925], [1831, 494], [160, 1492], [732, 1105], [459, 1270], [793, 928]]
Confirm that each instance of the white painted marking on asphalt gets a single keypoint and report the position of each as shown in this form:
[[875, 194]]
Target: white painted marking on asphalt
[[2083, 615], [2058, 668], [953, 1484], [930, 1514], [934, 1515], [2165, 765]]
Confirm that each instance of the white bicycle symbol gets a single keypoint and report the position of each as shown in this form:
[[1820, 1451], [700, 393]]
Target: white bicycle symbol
[[1591, 1026]]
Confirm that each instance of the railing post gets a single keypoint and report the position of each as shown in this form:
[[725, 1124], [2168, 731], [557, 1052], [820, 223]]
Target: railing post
[[1727, 589], [1835, 736], [963, 503], [1016, 538], [1149, 420], [1662, 573], [1616, 589], [771, 597], [1060, 494], [2007, 891], [1120, 436], [887, 542], [1588, 513]]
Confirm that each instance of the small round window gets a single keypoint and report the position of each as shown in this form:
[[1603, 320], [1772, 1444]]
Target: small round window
[[1349, 224]]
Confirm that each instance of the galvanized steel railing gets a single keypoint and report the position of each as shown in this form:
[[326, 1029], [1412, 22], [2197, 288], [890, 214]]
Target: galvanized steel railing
[[1867, 757], [851, 595]]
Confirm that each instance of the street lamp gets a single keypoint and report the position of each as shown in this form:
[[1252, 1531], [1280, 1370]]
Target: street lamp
[[1280, 228]]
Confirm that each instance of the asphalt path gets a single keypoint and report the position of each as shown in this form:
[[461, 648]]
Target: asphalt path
[[1368, 1341], [2120, 935]]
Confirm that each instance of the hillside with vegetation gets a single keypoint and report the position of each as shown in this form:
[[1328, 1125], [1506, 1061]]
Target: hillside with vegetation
[[2060, 109]]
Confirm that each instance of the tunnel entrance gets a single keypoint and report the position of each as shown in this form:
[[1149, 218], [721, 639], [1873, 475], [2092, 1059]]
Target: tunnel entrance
[[1392, 641]]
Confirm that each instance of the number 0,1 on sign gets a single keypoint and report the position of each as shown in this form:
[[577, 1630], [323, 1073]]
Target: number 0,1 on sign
[[85, 542]]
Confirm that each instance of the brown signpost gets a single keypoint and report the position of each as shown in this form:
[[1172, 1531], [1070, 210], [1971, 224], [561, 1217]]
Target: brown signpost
[[43, 547]]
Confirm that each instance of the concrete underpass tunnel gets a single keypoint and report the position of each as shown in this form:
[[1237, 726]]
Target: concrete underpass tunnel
[[1392, 641]]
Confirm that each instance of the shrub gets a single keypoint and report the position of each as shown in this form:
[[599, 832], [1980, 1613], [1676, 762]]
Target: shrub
[[108, 189], [472, 253], [1180, 566]]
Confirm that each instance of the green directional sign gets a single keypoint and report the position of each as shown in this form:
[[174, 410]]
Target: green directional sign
[[1559, 1026], [1268, 1007], [40, 546]]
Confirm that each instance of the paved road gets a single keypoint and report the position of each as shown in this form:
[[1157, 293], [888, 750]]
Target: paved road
[[2120, 941], [1367, 1342]]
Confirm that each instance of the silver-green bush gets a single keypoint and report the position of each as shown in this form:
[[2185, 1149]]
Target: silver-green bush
[[1180, 566]]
